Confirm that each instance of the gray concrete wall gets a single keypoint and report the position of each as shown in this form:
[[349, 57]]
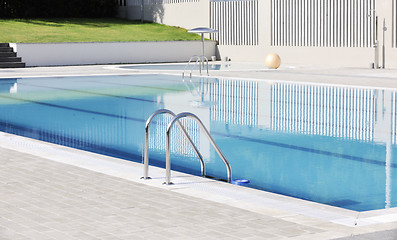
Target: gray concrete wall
[[53, 54]]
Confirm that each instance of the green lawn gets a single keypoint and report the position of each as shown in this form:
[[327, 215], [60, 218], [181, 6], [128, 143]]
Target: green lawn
[[87, 30]]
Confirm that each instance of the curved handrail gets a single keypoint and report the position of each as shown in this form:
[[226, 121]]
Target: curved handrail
[[188, 64], [146, 156], [168, 153], [199, 59]]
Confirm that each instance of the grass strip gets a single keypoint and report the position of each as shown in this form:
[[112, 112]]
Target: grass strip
[[88, 30]]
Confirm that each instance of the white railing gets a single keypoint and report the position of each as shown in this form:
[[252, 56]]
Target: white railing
[[236, 21], [323, 23], [394, 29]]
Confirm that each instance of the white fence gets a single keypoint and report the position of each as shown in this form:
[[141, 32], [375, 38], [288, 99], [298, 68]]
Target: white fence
[[323, 23], [394, 40], [236, 21]]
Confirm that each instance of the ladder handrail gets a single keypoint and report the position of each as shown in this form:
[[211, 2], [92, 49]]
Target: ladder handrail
[[187, 65], [200, 123], [146, 156], [200, 59]]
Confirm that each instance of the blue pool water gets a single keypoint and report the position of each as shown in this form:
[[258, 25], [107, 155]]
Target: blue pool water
[[328, 144]]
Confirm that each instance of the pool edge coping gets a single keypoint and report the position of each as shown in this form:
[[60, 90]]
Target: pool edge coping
[[250, 199]]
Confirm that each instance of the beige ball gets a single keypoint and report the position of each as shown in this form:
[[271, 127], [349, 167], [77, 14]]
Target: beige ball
[[273, 60]]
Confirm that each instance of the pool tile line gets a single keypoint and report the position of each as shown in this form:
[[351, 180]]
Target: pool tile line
[[106, 95], [71, 108]]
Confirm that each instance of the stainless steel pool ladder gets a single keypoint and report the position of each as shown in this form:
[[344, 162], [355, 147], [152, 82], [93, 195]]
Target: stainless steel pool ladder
[[168, 144], [146, 156], [199, 60]]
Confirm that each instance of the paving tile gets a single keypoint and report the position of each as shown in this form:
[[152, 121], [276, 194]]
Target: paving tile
[[264, 236], [50, 200], [383, 235]]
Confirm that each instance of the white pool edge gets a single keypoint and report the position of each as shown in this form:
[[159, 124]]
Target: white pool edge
[[213, 75], [263, 202]]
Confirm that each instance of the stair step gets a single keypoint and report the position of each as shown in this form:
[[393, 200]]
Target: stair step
[[11, 65], [8, 54], [6, 49], [10, 59]]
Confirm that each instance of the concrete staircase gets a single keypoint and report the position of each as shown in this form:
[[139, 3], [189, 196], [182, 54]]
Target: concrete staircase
[[8, 58]]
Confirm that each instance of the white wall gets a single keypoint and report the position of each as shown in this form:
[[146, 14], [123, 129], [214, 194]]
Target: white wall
[[187, 15], [52, 54]]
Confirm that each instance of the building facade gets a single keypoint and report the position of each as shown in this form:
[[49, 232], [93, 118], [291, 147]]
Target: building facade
[[353, 33]]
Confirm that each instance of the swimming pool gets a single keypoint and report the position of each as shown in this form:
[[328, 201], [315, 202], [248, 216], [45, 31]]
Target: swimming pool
[[329, 144]]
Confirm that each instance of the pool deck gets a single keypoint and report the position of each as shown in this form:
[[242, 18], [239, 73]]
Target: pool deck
[[49, 191], [383, 78]]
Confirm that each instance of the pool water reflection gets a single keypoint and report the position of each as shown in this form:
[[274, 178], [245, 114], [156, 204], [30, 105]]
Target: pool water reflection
[[329, 144]]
